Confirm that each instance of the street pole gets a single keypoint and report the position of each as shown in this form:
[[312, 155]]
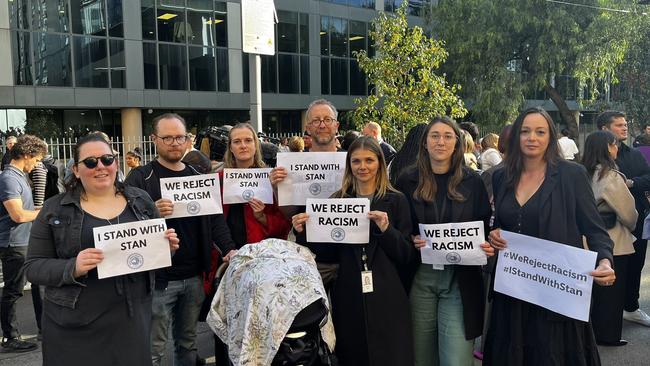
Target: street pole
[[255, 77]]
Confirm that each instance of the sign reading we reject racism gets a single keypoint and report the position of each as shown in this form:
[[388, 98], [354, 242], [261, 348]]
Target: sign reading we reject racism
[[194, 195], [338, 220], [453, 243]]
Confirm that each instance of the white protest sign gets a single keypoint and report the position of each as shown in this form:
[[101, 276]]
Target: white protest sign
[[241, 185], [453, 243], [132, 247], [194, 195], [258, 26], [310, 175], [552, 275], [338, 220]]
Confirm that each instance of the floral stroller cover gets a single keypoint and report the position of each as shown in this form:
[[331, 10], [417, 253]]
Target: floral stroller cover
[[264, 287]]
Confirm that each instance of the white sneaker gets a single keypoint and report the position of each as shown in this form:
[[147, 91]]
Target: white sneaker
[[637, 316]]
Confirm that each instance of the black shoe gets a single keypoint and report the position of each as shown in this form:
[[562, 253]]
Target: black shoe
[[618, 343], [16, 345]]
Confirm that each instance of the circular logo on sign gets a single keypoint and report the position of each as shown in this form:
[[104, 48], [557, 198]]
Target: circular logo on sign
[[453, 257], [247, 194], [193, 208], [135, 261], [314, 188], [338, 234]]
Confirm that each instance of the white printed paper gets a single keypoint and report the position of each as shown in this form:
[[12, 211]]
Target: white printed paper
[[132, 247], [242, 185], [194, 195], [548, 274], [453, 243], [310, 175], [338, 220]]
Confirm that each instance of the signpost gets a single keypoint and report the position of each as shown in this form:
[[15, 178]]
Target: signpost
[[258, 38]]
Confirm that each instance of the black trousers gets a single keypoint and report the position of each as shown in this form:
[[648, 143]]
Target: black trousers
[[12, 259], [607, 304], [634, 268]]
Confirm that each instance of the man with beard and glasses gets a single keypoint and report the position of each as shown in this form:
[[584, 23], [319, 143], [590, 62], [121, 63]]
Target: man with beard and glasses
[[178, 293]]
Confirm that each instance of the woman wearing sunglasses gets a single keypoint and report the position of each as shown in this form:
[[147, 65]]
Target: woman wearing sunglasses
[[110, 317]]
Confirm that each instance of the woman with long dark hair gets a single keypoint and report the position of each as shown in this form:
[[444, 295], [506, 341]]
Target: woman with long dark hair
[[371, 328], [540, 194], [447, 304], [616, 206], [110, 318], [408, 153]]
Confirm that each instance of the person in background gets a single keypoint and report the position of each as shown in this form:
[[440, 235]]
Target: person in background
[[306, 137], [134, 158], [447, 304], [110, 317], [568, 147], [178, 294], [284, 145], [6, 158], [540, 194], [296, 144], [472, 129], [407, 154], [616, 206], [470, 159], [348, 139], [489, 156], [644, 138], [16, 215], [372, 328], [373, 129]]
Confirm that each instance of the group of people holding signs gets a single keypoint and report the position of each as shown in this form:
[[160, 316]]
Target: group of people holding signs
[[402, 264]]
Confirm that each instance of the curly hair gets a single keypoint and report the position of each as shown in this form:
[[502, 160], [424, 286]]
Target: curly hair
[[28, 146]]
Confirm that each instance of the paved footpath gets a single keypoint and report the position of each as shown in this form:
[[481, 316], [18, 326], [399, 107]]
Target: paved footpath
[[634, 354]]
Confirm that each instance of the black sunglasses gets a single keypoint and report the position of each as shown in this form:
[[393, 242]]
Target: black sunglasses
[[91, 162]]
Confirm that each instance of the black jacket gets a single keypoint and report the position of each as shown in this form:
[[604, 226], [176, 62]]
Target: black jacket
[[388, 150], [632, 163], [213, 227], [475, 207], [373, 328], [55, 241], [567, 208]]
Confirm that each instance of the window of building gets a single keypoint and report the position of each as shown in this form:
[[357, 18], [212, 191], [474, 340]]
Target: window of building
[[150, 61], [50, 16], [369, 4], [172, 66], [22, 57], [148, 11], [52, 60], [117, 63], [171, 21], [202, 68], [415, 7], [88, 17], [19, 14], [223, 79], [115, 20], [91, 62], [289, 73], [221, 23], [340, 72]]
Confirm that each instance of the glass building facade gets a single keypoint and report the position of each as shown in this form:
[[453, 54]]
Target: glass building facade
[[86, 61]]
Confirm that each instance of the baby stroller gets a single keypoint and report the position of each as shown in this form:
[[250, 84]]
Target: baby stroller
[[271, 308]]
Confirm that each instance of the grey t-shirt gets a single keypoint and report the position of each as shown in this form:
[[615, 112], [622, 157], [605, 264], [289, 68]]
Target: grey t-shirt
[[13, 184]]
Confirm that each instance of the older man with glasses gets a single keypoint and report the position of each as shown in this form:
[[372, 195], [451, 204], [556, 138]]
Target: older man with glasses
[[178, 294]]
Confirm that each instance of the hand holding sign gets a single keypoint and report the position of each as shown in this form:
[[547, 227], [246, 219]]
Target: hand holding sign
[[171, 235], [604, 275], [165, 207], [87, 260]]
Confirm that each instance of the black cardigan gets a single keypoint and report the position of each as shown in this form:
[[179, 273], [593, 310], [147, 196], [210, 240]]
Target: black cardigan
[[567, 208], [475, 207]]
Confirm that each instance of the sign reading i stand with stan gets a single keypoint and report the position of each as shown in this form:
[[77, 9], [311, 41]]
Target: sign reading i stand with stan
[[258, 26]]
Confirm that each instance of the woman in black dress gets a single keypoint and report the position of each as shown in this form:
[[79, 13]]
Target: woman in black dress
[[88, 321], [539, 194], [372, 327]]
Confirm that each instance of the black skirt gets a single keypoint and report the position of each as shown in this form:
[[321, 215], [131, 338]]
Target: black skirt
[[521, 333]]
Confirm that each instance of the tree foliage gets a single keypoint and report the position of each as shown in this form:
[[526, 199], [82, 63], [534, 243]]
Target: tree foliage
[[500, 50], [408, 88]]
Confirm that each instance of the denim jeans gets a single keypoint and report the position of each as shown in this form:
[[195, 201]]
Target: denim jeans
[[438, 325], [12, 259], [177, 306]]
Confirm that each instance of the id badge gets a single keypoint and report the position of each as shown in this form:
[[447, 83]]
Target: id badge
[[366, 282]]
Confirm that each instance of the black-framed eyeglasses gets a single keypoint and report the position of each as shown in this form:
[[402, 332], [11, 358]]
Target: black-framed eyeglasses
[[317, 121], [168, 140], [91, 161]]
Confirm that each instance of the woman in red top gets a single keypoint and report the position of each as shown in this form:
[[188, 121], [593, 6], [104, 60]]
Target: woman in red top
[[253, 221]]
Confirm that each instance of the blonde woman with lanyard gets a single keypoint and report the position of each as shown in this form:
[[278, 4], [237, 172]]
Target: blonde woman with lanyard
[[373, 327], [447, 304]]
